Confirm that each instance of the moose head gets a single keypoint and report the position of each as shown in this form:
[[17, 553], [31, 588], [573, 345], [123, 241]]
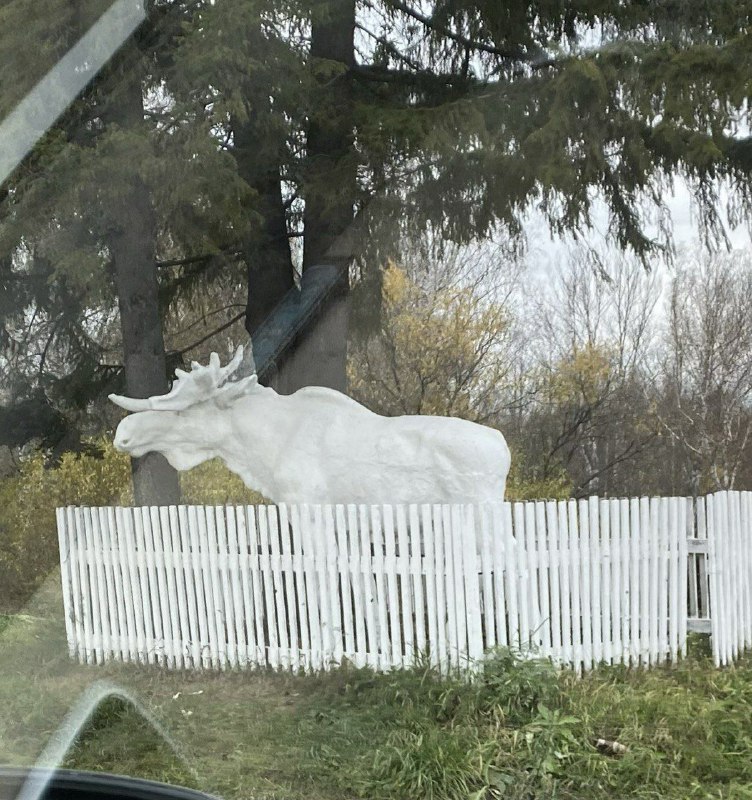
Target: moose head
[[184, 424]]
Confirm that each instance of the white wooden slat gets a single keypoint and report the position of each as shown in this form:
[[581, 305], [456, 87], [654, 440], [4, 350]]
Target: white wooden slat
[[144, 596], [453, 528], [275, 561], [732, 583], [225, 590], [146, 537], [713, 523], [416, 581], [96, 587], [444, 583], [673, 577], [210, 584], [634, 582], [575, 562], [746, 539], [113, 611], [175, 651], [625, 563], [511, 572], [301, 595], [485, 532], [645, 566], [544, 577], [472, 570], [655, 558], [405, 586], [499, 567], [450, 592], [554, 557], [615, 578], [434, 544], [358, 575], [685, 510], [499, 546], [197, 527], [123, 550], [376, 542], [460, 600], [257, 582], [332, 584], [533, 565], [63, 541], [435, 616], [84, 590], [311, 587], [390, 571], [192, 646], [135, 584], [728, 610], [287, 560], [523, 599], [595, 579], [739, 577], [373, 622], [605, 580], [564, 583], [113, 545], [702, 567], [523, 575], [663, 554], [585, 590], [236, 590], [184, 645], [265, 566], [344, 572]]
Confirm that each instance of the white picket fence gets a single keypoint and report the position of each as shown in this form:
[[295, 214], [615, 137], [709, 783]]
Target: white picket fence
[[304, 587]]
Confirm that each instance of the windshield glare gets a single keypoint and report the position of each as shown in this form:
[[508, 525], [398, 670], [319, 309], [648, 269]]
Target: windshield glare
[[375, 385]]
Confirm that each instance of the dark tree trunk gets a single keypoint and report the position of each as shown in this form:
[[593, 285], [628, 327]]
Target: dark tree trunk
[[132, 247], [267, 249], [330, 186]]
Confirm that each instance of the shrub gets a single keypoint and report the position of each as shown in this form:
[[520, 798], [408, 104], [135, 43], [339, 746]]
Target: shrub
[[28, 499]]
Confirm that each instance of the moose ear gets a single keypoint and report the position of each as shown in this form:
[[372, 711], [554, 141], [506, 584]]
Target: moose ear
[[130, 403]]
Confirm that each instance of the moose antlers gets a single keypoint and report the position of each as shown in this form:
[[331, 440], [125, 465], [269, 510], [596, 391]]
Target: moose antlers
[[202, 383]]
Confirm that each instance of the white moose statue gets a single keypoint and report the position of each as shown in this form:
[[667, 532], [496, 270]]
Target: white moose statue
[[314, 446]]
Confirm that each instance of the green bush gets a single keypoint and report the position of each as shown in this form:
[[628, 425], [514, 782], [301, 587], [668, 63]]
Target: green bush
[[28, 531]]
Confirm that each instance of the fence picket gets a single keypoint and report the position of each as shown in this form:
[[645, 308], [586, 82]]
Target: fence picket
[[585, 579], [427, 540], [624, 560], [376, 543], [275, 563], [361, 653], [615, 580], [499, 547], [300, 587], [406, 600], [575, 560], [416, 581], [369, 587], [554, 556], [564, 583]]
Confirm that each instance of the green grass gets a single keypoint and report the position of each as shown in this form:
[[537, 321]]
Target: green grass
[[519, 730]]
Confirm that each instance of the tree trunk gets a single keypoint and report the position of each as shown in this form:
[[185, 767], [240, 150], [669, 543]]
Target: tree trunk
[[267, 249], [330, 187], [132, 247]]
